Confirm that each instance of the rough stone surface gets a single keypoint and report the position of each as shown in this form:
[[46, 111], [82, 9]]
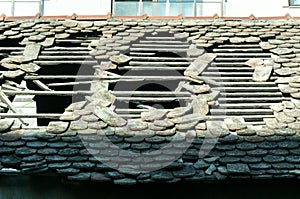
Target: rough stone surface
[[193, 51], [238, 169], [57, 127], [262, 73], [31, 51], [120, 59], [235, 123], [109, 117], [153, 114], [197, 67]]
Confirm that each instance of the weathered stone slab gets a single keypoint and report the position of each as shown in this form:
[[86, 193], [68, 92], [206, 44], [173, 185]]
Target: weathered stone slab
[[181, 35], [237, 40], [252, 39], [180, 111], [153, 114], [200, 106], [32, 51], [272, 123], [109, 116], [57, 127], [69, 116], [70, 23], [193, 51], [102, 97], [13, 74], [286, 71], [186, 126], [163, 123], [10, 66], [262, 73], [37, 38], [285, 88], [235, 123], [137, 124], [29, 68], [188, 118], [238, 169], [120, 59], [62, 36], [48, 42], [282, 51], [254, 62], [198, 66]]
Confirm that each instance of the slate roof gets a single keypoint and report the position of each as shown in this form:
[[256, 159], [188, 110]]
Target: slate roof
[[257, 140]]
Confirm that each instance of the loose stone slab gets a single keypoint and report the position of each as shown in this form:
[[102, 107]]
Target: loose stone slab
[[180, 111], [13, 74], [262, 73], [254, 62], [238, 169], [57, 127], [32, 51], [235, 123], [285, 88], [153, 114], [198, 66], [110, 117], [193, 51], [37, 38], [10, 33], [237, 40], [48, 42], [70, 23], [120, 59], [197, 89], [188, 118], [137, 125], [30, 68], [62, 36], [282, 51], [181, 35], [10, 66], [69, 116], [267, 45], [286, 71], [102, 97], [163, 123], [200, 106]]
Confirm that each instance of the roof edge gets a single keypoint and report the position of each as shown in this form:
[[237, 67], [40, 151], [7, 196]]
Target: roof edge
[[109, 15]]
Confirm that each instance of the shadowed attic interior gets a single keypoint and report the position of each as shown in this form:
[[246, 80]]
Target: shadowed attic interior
[[210, 69]]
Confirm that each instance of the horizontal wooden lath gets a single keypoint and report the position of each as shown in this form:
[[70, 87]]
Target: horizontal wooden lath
[[240, 95]]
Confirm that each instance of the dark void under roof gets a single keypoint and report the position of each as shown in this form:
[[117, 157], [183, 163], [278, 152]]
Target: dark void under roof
[[135, 101]]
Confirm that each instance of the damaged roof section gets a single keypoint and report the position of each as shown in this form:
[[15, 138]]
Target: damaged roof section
[[137, 86]]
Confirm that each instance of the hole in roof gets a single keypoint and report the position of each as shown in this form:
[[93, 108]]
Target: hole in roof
[[153, 55], [241, 95], [61, 65]]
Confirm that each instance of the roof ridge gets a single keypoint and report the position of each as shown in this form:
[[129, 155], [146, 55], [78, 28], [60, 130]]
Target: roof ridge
[[109, 15]]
